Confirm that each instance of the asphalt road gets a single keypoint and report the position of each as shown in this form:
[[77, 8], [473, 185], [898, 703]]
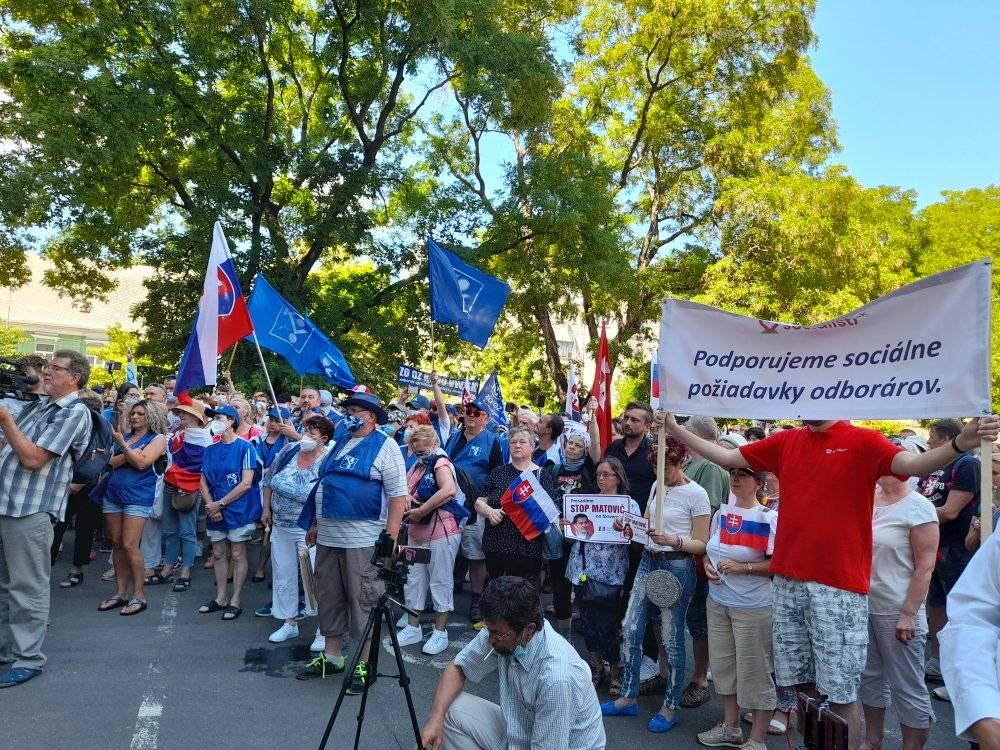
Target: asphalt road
[[172, 678]]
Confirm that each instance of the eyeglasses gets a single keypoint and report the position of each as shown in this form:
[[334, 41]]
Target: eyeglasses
[[605, 475], [495, 637], [51, 367]]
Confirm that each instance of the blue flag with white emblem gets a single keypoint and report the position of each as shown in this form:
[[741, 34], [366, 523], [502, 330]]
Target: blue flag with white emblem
[[464, 296], [491, 398], [285, 331]]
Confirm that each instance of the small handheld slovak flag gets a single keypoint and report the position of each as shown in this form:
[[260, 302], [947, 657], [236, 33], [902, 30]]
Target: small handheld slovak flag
[[222, 320], [528, 506], [601, 390], [654, 381], [466, 393], [572, 396]]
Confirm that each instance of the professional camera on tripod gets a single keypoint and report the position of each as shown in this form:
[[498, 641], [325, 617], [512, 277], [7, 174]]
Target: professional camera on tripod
[[392, 565], [14, 384]]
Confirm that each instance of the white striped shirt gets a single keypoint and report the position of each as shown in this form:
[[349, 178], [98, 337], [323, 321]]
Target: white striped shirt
[[546, 695], [58, 428]]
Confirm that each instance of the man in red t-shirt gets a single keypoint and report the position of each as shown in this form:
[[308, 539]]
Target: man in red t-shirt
[[823, 549]]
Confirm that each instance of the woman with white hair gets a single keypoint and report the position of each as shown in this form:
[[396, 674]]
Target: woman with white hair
[[434, 522]]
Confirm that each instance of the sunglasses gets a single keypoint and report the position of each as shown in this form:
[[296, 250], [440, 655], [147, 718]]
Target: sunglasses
[[741, 472], [473, 412]]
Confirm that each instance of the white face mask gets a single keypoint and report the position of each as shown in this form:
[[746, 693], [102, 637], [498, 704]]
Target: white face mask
[[216, 426], [307, 444]]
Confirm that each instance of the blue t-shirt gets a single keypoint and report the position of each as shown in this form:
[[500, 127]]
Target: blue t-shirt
[[223, 469]]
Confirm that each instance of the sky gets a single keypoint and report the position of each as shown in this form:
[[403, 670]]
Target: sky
[[915, 89]]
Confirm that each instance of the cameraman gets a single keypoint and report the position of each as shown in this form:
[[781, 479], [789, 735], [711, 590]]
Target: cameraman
[[36, 466], [546, 697], [361, 491]]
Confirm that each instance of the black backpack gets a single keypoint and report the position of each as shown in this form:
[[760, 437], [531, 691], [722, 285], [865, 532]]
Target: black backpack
[[470, 490], [92, 463]]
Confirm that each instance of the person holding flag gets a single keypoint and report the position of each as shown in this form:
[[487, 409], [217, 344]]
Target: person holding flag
[[737, 564], [517, 506]]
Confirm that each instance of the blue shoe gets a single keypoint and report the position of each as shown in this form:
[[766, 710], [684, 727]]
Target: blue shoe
[[608, 708], [17, 676], [264, 611], [660, 723]]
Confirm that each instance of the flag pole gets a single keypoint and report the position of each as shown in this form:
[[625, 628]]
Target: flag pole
[[267, 377], [232, 356], [661, 448], [433, 358]]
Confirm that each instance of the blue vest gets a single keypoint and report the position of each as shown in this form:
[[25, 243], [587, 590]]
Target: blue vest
[[131, 486], [474, 458], [428, 486], [267, 451], [349, 492]]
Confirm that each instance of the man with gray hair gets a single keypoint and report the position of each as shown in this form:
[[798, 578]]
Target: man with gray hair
[[36, 466], [715, 481]]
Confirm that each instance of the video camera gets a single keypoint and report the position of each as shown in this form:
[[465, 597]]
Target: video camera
[[395, 568], [15, 385]]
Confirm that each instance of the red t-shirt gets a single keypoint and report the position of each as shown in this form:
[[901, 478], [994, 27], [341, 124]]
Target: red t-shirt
[[827, 496]]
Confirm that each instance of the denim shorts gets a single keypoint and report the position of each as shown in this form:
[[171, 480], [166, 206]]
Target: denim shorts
[[138, 511], [239, 534]]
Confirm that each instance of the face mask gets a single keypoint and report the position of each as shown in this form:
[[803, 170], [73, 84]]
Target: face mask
[[353, 422], [519, 652], [170, 392], [389, 429], [307, 444], [260, 405], [216, 426], [131, 400], [407, 432]]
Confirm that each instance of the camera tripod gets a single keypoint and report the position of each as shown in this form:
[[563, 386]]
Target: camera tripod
[[373, 631]]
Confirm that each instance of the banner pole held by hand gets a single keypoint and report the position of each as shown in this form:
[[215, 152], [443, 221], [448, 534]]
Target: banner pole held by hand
[[433, 356], [985, 490], [232, 356], [661, 455]]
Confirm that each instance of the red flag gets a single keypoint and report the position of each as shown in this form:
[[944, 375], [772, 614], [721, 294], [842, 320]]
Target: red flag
[[601, 390]]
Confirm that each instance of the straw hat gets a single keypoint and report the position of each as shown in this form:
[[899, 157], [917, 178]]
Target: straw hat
[[196, 409]]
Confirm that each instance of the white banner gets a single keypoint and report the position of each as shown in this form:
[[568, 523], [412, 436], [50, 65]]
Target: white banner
[[922, 351]]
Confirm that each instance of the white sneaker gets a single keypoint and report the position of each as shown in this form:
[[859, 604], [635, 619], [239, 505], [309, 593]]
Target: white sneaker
[[437, 643], [409, 635], [318, 646], [403, 621], [285, 633]]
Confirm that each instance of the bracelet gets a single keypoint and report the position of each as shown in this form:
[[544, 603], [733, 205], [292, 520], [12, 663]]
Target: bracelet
[[954, 446], [680, 543], [749, 569]]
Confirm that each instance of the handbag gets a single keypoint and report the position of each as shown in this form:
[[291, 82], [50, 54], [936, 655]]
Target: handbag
[[820, 727], [595, 592], [552, 543], [183, 502]]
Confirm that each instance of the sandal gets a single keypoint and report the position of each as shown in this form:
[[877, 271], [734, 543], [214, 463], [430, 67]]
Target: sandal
[[257, 578], [113, 603], [695, 695], [108, 575], [232, 613], [156, 579], [212, 606], [71, 580], [132, 603], [182, 584]]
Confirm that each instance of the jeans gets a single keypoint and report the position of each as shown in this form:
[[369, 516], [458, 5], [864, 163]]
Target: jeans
[[599, 628], [178, 530], [671, 622]]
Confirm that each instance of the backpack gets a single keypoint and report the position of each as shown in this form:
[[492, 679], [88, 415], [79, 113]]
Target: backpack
[[92, 463], [469, 489]]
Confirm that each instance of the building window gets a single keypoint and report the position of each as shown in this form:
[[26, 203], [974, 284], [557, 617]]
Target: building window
[[45, 349]]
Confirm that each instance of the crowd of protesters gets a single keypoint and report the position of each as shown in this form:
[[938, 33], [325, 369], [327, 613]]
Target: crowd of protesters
[[802, 558]]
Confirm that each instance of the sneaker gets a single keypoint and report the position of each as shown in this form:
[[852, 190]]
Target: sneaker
[[321, 668], [318, 646], [475, 617], [403, 621], [264, 611], [695, 695], [409, 635], [941, 693], [285, 633], [647, 668], [753, 745], [437, 643], [933, 670], [722, 736], [358, 679]]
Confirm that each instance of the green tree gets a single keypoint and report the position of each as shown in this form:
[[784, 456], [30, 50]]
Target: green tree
[[9, 339]]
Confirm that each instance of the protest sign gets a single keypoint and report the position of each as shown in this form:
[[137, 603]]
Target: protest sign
[[591, 518], [919, 352], [410, 377]]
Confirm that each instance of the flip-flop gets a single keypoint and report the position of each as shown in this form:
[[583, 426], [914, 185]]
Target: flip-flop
[[131, 603], [212, 606], [182, 584], [231, 610], [115, 603]]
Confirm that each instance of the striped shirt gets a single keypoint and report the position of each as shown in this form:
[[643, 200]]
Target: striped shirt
[[546, 695], [58, 428]]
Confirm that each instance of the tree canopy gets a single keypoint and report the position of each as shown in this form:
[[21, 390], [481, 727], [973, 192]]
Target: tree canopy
[[597, 155]]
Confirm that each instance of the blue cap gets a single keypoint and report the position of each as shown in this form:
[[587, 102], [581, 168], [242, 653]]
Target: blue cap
[[279, 412], [226, 410], [419, 401], [451, 409], [479, 404]]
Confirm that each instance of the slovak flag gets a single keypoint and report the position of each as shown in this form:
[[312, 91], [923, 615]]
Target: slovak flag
[[222, 320], [745, 529], [601, 390], [654, 381], [572, 396], [529, 506], [467, 396]]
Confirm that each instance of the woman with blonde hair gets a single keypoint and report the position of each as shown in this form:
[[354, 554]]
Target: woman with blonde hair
[[128, 497], [434, 521]]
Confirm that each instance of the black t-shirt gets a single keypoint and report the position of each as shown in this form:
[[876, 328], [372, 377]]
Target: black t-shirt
[[961, 475], [504, 538], [640, 472], [578, 481]]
